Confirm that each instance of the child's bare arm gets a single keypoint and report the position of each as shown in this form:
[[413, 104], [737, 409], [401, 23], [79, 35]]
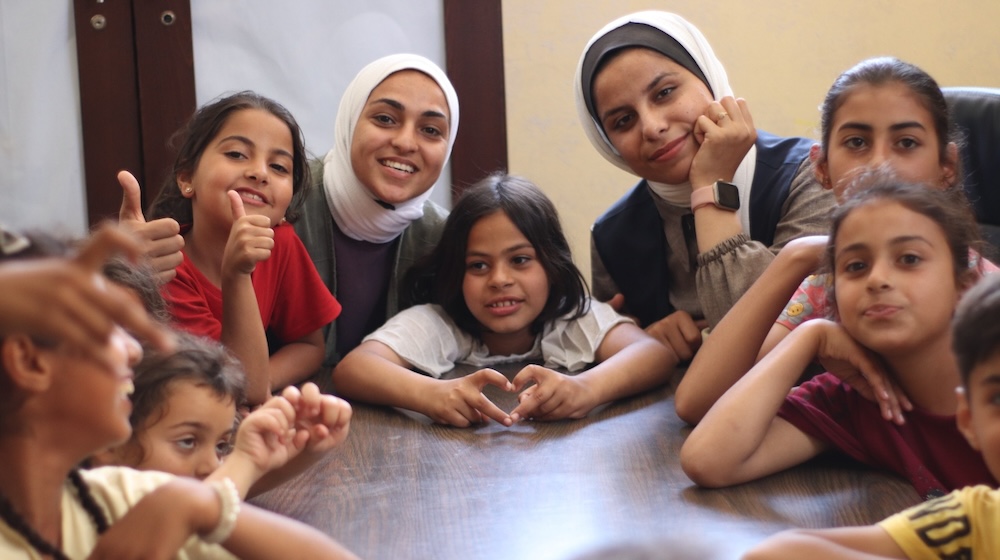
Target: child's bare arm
[[250, 241], [733, 347], [297, 360], [848, 543], [373, 373], [630, 361]]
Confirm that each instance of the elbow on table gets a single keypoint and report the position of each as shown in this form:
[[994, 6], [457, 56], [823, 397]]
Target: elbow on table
[[701, 464], [687, 407]]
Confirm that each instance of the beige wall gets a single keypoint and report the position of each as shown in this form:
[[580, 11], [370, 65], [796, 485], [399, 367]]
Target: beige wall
[[781, 55]]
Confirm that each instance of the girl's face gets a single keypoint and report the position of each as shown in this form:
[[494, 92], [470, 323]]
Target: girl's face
[[505, 285], [99, 390], [193, 434], [252, 155], [894, 278], [400, 142], [647, 105], [884, 125]]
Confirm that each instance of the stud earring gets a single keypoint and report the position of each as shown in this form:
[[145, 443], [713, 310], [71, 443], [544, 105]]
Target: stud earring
[[188, 190]]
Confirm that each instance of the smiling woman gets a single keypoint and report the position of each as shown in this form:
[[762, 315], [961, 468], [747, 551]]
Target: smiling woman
[[717, 197]]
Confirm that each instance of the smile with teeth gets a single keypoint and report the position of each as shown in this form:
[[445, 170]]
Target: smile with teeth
[[399, 166], [251, 196], [505, 303], [127, 387]]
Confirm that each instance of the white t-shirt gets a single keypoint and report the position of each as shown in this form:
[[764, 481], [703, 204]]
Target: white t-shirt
[[427, 338], [116, 490]]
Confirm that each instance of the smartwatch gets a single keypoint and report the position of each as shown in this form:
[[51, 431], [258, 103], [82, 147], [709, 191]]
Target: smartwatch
[[720, 193]]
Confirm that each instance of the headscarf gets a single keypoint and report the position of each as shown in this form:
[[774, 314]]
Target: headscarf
[[357, 213], [678, 32]]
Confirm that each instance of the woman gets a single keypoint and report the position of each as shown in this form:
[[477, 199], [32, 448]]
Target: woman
[[371, 212], [717, 198]]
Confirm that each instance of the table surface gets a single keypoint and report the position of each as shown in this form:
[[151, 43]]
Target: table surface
[[401, 487]]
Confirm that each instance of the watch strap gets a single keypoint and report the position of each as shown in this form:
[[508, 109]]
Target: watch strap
[[702, 196]]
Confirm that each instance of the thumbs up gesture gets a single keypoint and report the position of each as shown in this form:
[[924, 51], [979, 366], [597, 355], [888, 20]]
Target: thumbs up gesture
[[161, 239], [250, 239]]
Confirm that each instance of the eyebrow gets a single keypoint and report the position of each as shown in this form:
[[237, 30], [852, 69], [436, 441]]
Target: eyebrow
[[649, 87], [249, 142], [508, 250], [864, 127], [894, 241], [400, 107]]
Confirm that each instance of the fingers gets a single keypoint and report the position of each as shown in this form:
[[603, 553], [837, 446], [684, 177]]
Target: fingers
[[236, 203], [106, 242], [131, 209]]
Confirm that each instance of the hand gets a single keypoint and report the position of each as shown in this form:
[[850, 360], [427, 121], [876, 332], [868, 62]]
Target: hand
[[810, 250], [679, 332], [857, 366], [461, 402], [723, 142], [162, 241], [267, 438], [554, 396], [173, 512], [81, 306], [325, 418], [250, 239]]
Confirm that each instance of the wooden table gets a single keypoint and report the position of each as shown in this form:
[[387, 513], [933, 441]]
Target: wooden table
[[402, 487]]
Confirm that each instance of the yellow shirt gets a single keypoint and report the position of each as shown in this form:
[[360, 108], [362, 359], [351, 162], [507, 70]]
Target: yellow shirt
[[963, 524], [116, 489]]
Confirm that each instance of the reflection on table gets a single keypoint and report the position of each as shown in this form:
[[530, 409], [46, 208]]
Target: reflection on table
[[402, 487]]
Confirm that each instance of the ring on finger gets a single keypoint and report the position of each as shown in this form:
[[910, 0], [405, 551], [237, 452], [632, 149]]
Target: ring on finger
[[721, 116]]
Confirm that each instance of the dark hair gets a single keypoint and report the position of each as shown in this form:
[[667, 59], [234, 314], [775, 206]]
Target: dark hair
[[140, 278], [948, 208], [439, 277], [201, 129], [198, 360], [885, 70], [975, 328]]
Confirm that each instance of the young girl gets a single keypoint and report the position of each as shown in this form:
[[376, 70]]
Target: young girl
[[717, 197], [900, 260], [184, 421], [882, 112], [60, 406], [505, 289], [246, 279]]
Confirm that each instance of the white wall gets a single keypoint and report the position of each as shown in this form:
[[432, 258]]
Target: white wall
[[300, 53]]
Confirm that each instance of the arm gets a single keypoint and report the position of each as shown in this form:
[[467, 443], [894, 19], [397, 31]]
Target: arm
[[297, 360], [848, 543], [250, 241], [629, 361], [162, 241], [741, 438], [726, 271], [733, 347], [374, 373]]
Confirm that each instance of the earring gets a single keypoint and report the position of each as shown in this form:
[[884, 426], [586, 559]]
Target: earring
[[188, 190]]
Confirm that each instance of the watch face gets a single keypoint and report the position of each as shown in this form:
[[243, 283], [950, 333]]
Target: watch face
[[728, 195]]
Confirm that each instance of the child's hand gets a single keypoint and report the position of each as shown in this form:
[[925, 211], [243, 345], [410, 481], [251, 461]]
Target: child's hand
[[326, 418], [250, 239], [461, 402], [267, 437], [162, 241], [679, 332], [857, 366], [554, 396]]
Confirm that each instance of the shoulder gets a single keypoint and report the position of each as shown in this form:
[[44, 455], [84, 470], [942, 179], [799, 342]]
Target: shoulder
[[119, 488], [962, 520], [638, 197], [774, 149]]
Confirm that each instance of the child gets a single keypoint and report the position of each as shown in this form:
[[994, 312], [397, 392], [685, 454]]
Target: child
[[900, 259], [184, 421], [881, 112], [505, 290], [59, 407], [246, 279], [963, 523]]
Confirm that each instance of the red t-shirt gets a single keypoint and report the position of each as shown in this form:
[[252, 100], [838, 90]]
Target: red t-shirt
[[928, 450], [292, 298]]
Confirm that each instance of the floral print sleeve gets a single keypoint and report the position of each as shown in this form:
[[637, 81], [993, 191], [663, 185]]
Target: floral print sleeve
[[809, 302]]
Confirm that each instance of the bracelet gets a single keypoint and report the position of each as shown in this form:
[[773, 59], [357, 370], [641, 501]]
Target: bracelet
[[229, 509]]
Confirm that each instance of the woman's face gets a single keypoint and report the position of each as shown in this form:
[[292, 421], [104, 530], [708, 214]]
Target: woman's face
[[647, 105], [400, 142], [884, 125]]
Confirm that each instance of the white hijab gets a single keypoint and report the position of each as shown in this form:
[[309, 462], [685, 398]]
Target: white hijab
[[352, 206], [697, 46]]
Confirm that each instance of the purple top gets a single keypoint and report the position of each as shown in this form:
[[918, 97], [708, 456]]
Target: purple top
[[362, 287]]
